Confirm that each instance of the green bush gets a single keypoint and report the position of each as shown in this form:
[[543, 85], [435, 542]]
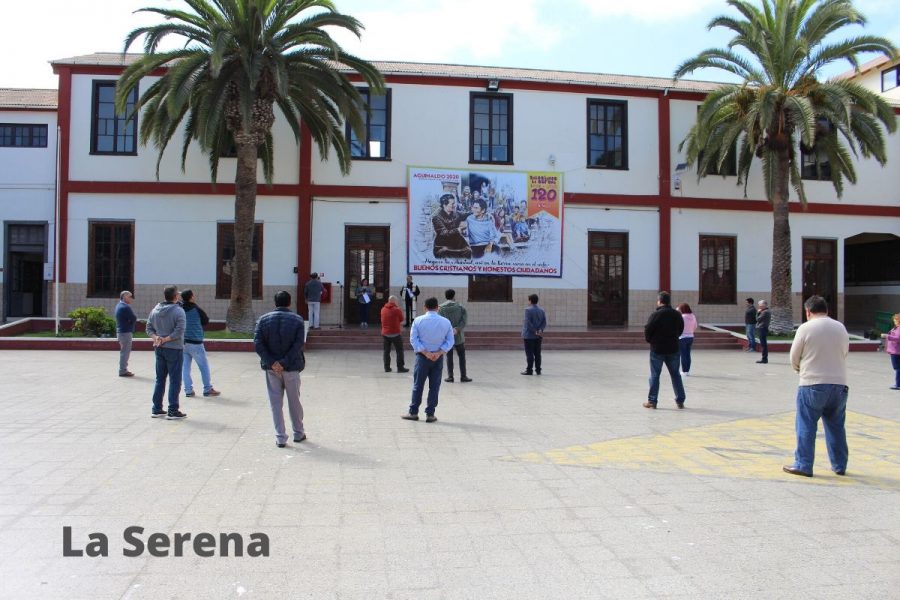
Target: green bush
[[92, 321]]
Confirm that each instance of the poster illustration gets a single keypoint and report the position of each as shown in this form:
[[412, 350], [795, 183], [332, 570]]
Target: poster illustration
[[485, 222]]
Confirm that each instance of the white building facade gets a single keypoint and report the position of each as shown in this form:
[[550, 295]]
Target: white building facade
[[633, 222]]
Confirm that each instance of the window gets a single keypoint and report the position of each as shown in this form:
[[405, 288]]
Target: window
[[490, 128], [110, 258], [890, 79], [813, 165], [225, 256], [718, 266], [490, 288], [377, 143], [607, 140], [13, 135], [112, 133]]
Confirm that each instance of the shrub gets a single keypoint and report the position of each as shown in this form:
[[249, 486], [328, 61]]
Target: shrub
[[92, 321]]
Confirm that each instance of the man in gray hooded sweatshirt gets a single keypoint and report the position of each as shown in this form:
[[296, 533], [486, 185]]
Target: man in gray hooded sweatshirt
[[165, 326]]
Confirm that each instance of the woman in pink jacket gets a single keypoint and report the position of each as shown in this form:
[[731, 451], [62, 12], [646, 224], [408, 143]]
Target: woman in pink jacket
[[892, 345], [687, 337]]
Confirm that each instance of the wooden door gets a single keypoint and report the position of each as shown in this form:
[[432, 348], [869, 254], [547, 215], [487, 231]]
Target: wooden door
[[607, 278], [366, 256], [820, 272]]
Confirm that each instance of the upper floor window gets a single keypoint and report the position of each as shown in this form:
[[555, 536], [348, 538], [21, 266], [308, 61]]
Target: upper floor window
[[890, 79], [718, 269], [814, 165], [15, 135], [111, 132], [490, 130], [377, 141], [110, 258], [607, 139]]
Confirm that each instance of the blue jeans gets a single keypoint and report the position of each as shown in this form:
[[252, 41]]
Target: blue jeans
[[671, 362], [168, 364], [895, 362], [828, 402], [684, 349], [426, 370], [196, 352], [364, 312], [751, 336]]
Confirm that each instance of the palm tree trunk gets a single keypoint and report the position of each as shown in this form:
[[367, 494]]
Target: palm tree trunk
[[782, 311], [240, 310]]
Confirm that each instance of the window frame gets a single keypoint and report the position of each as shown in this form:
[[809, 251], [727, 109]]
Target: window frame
[[92, 291], [490, 96], [96, 85], [896, 71], [223, 291], [810, 171], [606, 103], [477, 293], [31, 127], [704, 294], [348, 131]]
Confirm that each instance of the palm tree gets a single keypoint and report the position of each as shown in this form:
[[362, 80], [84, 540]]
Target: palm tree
[[240, 59], [782, 102]]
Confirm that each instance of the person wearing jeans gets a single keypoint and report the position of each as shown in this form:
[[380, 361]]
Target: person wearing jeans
[[165, 326], [819, 353], [750, 325], [686, 341], [194, 350], [431, 337], [533, 326], [662, 331]]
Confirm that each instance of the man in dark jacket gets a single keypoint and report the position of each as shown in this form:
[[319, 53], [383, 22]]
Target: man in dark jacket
[[763, 320], [279, 340], [125, 320], [662, 330], [750, 325], [165, 326]]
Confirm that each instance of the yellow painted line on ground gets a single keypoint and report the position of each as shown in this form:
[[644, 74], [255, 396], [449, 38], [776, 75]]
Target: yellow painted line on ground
[[747, 449]]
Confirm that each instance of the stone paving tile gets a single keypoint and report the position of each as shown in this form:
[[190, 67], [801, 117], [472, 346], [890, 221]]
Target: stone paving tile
[[375, 507]]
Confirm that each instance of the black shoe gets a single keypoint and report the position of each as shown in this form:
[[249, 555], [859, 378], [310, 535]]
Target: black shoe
[[842, 472], [126, 374], [157, 415], [175, 414], [280, 445], [402, 370], [679, 404], [795, 471], [410, 417], [465, 379], [299, 439], [387, 369], [762, 362], [190, 394], [449, 380], [537, 371], [525, 373], [430, 418]]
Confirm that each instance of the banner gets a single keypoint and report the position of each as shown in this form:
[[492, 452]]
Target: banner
[[485, 222]]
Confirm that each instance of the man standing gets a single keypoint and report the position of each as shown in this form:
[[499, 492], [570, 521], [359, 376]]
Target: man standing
[[533, 334], [279, 343], [819, 354], [431, 337], [312, 291], [165, 326], [194, 350], [763, 320], [409, 293], [750, 325], [662, 331], [125, 320], [458, 317], [391, 315]]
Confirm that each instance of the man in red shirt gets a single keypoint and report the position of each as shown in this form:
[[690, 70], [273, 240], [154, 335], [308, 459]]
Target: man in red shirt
[[391, 320]]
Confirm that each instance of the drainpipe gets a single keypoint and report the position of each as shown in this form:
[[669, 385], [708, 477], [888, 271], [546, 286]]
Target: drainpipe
[[56, 237]]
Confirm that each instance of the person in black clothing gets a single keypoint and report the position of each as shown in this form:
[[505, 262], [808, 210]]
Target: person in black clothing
[[763, 320], [750, 325], [409, 293], [662, 330]]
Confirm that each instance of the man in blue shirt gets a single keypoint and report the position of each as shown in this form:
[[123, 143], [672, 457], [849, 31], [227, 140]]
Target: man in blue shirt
[[125, 320], [431, 337], [533, 334]]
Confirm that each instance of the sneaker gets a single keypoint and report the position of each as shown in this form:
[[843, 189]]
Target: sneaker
[[126, 374], [212, 392], [430, 418], [410, 417], [449, 380], [190, 394], [649, 404], [157, 415], [465, 379], [300, 438], [173, 415], [402, 370]]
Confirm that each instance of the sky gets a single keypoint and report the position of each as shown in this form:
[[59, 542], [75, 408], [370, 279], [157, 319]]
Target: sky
[[629, 37]]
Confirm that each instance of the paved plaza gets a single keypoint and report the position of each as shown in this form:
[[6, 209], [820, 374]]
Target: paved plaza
[[553, 487]]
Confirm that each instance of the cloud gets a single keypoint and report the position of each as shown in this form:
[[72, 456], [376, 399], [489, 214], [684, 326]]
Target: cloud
[[651, 10]]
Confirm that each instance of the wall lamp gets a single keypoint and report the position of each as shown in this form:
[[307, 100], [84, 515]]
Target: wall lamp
[[493, 85]]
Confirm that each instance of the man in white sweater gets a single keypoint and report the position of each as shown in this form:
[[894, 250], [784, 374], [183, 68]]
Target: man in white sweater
[[819, 354]]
